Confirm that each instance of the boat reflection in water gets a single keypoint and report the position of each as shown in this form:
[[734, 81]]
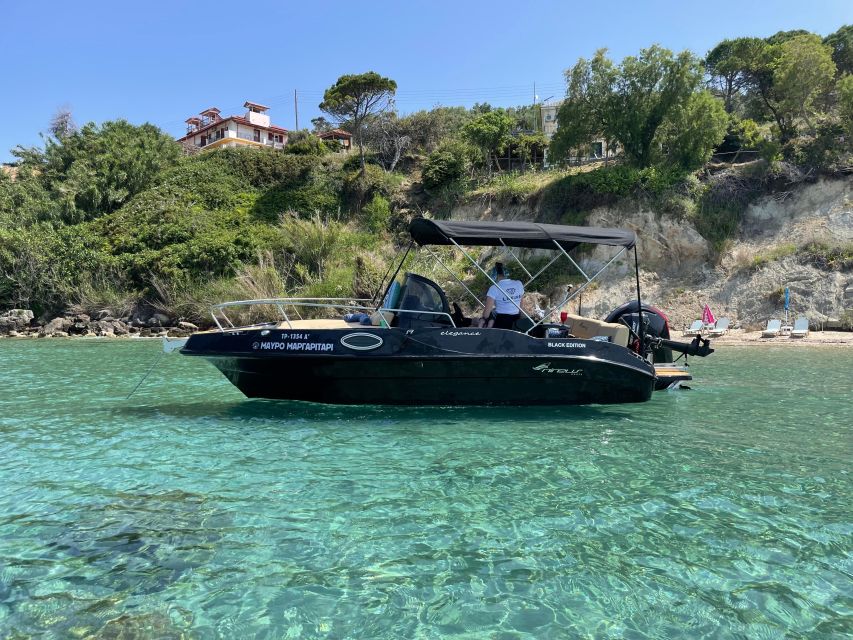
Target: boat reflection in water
[[409, 348]]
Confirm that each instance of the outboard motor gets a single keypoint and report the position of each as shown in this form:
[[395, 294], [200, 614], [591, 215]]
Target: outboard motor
[[655, 325], [656, 333]]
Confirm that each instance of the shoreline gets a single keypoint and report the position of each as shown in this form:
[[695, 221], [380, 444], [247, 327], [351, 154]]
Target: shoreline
[[733, 338], [742, 338]]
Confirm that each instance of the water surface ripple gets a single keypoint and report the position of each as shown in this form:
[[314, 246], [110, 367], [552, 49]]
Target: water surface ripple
[[188, 511]]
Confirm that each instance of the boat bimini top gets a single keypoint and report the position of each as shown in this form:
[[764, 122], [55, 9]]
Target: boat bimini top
[[526, 235], [530, 235]]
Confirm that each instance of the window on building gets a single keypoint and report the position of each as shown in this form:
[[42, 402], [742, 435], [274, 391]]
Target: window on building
[[203, 141], [257, 137]]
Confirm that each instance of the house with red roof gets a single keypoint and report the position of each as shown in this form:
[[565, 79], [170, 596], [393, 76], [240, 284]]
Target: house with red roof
[[338, 136], [209, 130]]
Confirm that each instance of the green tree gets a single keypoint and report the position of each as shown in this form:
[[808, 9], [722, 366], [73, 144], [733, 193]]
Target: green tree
[[490, 132], [693, 131], [98, 168], [783, 36], [427, 129], [530, 146], [628, 103], [582, 113], [24, 199], [305, 143], [727, 67], [841, 43], [802, 73], [353, 99], [788, 75], [376, 214], [321, 125], [446, 166], [525, 116], [845, 102]]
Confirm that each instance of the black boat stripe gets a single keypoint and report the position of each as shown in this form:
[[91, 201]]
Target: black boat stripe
[[415, 357]]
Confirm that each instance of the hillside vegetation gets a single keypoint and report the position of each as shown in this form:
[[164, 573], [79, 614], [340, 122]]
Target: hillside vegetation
[[114, 216]]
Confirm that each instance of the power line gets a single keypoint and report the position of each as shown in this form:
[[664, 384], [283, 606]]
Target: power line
[[416, 97]]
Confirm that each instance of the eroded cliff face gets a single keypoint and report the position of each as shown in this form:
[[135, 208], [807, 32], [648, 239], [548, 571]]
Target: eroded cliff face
[[822, 211], [680, 273]]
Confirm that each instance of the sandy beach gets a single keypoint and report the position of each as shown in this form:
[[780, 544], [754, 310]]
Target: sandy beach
[[742, 338]]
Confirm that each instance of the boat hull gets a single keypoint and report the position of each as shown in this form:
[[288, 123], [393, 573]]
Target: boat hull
[[425, 367]]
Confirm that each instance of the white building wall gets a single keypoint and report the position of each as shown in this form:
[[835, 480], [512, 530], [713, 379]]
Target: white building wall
[[236, 130], [549, 118], [261, 119]]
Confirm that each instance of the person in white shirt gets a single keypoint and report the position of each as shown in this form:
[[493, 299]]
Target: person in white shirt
[[503, 302]]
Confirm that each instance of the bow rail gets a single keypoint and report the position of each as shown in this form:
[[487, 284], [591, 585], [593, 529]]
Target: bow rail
[[217, 311]]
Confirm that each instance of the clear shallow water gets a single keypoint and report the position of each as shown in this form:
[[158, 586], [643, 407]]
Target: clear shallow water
[[188, 511]]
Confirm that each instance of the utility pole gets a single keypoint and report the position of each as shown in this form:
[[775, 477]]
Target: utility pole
[[534, 106], [296, 108]]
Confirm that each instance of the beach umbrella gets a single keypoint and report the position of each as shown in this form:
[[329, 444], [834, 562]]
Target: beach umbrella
[[708, 315]]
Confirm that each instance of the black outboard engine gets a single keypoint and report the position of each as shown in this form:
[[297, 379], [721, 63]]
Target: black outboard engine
[[656, 333], [655, 325]]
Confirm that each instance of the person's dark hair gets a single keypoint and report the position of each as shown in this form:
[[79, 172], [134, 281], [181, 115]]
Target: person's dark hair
[[499, 269]]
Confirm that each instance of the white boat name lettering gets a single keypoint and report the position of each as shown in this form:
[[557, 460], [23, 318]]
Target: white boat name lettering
[[566, 345], [460, 333], [546, 368], [295, 346]]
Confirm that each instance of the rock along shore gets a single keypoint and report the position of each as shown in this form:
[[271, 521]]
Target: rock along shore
[[21, 323]]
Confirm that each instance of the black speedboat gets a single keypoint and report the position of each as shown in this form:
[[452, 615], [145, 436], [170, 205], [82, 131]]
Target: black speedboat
[[410, 348]]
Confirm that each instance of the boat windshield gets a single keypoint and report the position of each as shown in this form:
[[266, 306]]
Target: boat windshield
[[419, 294]]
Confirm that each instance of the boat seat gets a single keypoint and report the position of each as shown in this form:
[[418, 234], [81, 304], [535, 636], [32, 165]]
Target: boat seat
[[319, 323], [588, 328]]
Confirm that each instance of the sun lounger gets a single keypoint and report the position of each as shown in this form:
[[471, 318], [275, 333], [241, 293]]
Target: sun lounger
[[720, 328], [773, 328], [801, 328], [694, 330]]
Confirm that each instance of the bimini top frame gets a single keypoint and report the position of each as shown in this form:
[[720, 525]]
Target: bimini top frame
[[531, 235], [528, 235]]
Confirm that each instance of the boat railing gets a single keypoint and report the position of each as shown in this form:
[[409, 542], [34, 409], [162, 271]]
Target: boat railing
[[282, 304]]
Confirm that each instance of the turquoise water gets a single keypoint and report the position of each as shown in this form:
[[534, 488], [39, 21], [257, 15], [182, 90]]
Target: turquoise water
[[188, 511]]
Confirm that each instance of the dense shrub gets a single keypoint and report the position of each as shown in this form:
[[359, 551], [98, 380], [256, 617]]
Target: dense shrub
[[446, 166], [90, 172], [262, 168], [376, 214], [307, 146], [565, 199], [724, 200], [359, 188], [819, 152], [209, 216], [827, 256]]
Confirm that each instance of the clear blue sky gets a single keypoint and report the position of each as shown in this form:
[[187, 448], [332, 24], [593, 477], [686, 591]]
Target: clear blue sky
[[164, 61]]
